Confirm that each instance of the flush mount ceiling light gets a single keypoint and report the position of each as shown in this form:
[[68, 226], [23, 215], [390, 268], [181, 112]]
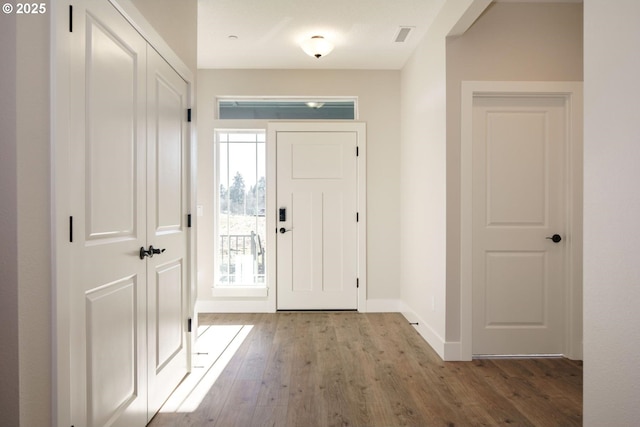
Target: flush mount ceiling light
[[317, 46]]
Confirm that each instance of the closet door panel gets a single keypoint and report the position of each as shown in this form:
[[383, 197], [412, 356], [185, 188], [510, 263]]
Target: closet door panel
[[108, 204], [167, 133]]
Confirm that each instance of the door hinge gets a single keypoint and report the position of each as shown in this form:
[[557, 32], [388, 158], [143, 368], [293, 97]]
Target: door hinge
[[70, 229], [357, 151], [188, 114], [357, 282], [189, 324], [71, 18], [357, 216], [188, 220]]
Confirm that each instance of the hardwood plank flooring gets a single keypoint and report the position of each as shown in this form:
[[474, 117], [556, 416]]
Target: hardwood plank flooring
[[372, 370]]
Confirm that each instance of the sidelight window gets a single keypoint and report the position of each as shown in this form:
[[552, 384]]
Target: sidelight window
[[241, 205]]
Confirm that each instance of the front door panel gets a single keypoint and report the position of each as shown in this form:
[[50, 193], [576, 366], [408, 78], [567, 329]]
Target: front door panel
[[317, 243]]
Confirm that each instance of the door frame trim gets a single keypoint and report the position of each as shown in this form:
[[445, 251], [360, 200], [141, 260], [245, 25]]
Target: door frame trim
[[60, 70], [572, 92], [361, 164]]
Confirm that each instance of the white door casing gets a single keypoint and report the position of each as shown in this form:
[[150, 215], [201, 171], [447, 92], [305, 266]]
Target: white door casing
[[128, 189], [318, 254], [521, 183]]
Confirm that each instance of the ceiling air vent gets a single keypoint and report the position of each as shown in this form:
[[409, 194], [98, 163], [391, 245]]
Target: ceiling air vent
[[403, 34]]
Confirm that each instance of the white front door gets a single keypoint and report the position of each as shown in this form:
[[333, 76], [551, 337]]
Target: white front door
[[128, 191], [518, 270], [317, 213], [167, 290]]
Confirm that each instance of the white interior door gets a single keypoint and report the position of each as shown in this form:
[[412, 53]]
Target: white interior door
[[317, 251], [108, 317], [518, 273], [167, 209]]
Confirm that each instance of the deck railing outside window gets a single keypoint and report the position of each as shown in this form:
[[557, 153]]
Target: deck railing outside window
[[242, 258]]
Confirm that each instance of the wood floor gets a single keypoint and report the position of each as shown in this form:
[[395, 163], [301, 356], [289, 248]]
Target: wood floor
[[351, 369]]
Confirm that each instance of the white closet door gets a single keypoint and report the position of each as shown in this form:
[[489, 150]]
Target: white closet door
[[129, 167], [108, 315], [167, 209]]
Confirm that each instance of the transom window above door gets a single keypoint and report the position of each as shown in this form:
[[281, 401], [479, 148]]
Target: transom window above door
[[288, 109], [240, 243]]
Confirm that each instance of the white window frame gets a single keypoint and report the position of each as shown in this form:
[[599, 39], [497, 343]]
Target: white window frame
[[219, 289], [219, 99]]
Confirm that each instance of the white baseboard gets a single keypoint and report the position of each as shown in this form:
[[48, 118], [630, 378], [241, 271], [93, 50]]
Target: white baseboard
[[453, 352], [448, 351], [253, 306], [234, 306], [430, 336]]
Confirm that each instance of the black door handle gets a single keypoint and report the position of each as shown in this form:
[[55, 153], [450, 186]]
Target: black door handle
[[153, 250], [556, 238], [150, 252], [283, 230]]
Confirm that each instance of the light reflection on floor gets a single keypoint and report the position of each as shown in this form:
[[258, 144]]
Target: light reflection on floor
[[214, 348]]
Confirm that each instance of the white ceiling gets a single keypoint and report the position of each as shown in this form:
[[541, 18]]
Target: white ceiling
[[269, 32]]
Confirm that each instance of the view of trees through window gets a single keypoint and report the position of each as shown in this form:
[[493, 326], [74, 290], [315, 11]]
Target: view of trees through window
[[241, 227], [240, 200]]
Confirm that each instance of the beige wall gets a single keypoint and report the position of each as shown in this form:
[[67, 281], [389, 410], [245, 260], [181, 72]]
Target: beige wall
[[34, 227], [510, 41], [9, 333], [611, 213], [423, 177], [25, 299], [177, 23], [378, 105]]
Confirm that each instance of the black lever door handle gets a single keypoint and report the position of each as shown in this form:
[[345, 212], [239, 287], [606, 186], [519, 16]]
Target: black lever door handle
[[153, 250], [150, 252], [143, 253], [283, 230], [556, 238]]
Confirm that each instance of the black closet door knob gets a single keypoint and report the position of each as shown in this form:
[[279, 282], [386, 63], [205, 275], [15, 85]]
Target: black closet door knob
[[555, 238]]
